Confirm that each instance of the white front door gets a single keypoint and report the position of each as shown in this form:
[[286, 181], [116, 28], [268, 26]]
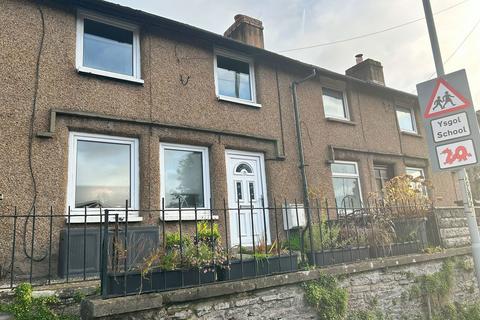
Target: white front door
[[246, 190]]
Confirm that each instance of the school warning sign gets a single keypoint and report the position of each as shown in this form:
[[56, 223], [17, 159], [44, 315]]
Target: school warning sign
[[450, 122]]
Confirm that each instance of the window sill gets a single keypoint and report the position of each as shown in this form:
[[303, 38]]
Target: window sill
[[410, 133], [344, 121], [239, 101], [112, 75], [188, 215], [95, 218]]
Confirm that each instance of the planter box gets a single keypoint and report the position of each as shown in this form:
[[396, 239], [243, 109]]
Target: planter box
[[258, 267], [336, 256], [157, 280], [395, 249]]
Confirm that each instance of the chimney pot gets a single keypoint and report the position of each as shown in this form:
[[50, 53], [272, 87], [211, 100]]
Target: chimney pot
[[247, 30], [359, 58]]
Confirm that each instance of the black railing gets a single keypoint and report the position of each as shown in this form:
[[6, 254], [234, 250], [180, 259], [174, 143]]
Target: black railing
[[181, 247]]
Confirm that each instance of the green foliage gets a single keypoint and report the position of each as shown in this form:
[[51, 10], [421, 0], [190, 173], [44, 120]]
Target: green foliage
[[464, 264], [78, 296], [26, 307], [437, 284], [434, 288], [172, 240], [201, 253], [328, 299], [324, 236], [207, 231], [456, 311]]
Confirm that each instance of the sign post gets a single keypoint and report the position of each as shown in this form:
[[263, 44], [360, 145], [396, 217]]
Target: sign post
[[452, 129]]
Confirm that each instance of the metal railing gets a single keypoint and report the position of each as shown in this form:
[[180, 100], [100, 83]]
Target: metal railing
[[183, 247]]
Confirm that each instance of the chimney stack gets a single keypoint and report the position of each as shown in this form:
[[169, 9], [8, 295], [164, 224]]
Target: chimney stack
[[247, 30], [368, 70]]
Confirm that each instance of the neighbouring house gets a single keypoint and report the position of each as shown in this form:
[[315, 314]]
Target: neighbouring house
[[103, 104]]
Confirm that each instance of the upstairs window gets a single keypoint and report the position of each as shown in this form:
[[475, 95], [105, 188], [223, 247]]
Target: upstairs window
[[109, 48], [334, 104], [406, 120], [234, 78]]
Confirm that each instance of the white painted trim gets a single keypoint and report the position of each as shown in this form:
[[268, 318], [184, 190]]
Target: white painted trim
[[346, 109], [239, 101], [412, 119], [349, 175], [77, 214], [137, 74], [236, 56], [263, 181], [187, 213], [108, 74]]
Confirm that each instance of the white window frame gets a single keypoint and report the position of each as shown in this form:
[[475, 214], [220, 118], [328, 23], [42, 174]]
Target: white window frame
[[81, 16], [346, 109], [424, 189], [203, 213], [348, 175], [412, 119], [235, 56], [77, 215]]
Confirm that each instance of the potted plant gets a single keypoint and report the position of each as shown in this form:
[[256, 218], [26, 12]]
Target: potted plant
[[261, 260], [399, 222], [335, 243], [179, 262]]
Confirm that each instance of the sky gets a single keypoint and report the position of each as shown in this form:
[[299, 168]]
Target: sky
[[404, 52]]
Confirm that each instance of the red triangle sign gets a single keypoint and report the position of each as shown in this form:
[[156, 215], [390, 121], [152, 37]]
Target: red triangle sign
[[444, 99]]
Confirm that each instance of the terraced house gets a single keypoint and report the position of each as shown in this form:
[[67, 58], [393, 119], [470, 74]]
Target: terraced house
[[104, 106]]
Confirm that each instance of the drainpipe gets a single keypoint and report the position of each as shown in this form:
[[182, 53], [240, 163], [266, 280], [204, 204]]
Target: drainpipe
[[301, 154]]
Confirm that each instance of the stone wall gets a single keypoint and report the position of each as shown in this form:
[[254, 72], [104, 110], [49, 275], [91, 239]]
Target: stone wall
[[287, 302], [453, 227], [383, 284]]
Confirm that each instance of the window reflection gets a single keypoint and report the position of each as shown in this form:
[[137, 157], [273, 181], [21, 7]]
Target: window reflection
[[347, 192], [183, 178], [102, 175], [233, 78], [107, 48], [333, 103], [405, 119]]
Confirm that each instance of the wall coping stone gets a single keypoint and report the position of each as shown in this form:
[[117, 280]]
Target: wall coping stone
[[96, 308]]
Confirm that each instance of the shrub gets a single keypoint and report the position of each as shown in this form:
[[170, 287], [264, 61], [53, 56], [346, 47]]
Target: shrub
[[329, 300], [26, 307]]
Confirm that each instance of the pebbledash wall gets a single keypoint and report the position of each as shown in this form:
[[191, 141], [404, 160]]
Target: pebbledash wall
[[382, 284], [166, 110], [370, 136]]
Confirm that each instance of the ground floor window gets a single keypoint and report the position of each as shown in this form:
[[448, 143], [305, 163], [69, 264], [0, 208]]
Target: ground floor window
[[416, 173], [346, 184], [102, 173], [184, 175]]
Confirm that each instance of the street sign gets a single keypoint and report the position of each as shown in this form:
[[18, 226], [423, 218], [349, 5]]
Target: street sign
[[456, 154], [444, 99], [450, 121], [450, 127]]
